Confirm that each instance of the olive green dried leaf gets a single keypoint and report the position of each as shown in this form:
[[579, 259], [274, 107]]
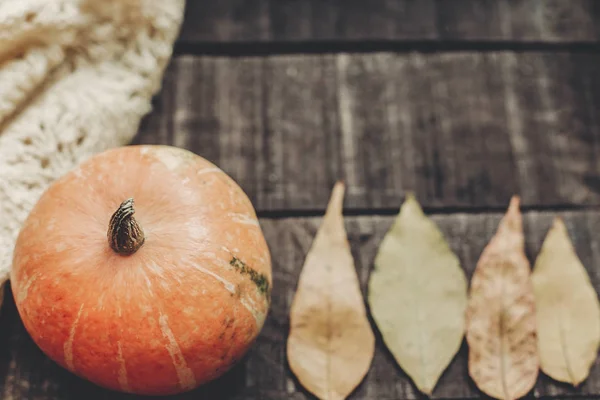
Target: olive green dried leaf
[[330, 346], [567, 309], [418, 296], [501, 322]]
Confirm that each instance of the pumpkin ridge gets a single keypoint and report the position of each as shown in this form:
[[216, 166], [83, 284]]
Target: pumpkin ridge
[[242, 218], [245, 298], [187, 379], [122, 373], [234, 326], [147, 280], [208, 170], [68, 346], [228, 285], [22, 293], [251, 307]]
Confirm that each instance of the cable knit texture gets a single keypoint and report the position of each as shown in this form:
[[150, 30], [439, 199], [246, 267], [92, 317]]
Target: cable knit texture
[[76, 77]]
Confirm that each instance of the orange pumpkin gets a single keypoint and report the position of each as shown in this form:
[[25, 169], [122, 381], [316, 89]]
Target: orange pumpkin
[[143, 270]]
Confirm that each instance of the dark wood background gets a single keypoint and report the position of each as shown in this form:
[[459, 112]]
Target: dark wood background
[[464, 102]]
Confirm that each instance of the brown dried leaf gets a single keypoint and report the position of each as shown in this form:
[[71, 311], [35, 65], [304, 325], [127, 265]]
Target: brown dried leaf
[[567, 309], [331, 344], [501, 322]]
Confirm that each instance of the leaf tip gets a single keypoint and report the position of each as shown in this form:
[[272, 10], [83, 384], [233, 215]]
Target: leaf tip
[[411, 199], [558, 229], [427, 391], [515, 204], [512, 219], [410, 206], [336, 199], [340, 184], [558, 223]]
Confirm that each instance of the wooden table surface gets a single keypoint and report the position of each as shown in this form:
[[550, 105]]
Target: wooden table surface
[[463, 102]]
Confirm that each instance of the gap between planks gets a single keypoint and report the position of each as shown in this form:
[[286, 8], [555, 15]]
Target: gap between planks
[[366, 212], [248, 49]]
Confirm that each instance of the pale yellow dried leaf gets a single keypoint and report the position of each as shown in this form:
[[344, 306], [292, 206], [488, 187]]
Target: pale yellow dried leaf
[[567, 309], [501, 324], [418, 296], [331, 344]]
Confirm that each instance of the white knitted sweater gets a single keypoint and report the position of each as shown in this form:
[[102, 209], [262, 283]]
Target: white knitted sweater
[[76, 77]]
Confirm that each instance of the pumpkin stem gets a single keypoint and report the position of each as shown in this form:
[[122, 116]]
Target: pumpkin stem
[[125, 235]]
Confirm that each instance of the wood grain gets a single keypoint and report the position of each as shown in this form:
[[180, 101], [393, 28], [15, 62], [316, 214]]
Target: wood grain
[[461, 130], [264, 374], [548, 21]]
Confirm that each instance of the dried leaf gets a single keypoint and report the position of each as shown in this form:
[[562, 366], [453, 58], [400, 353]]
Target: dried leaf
[[501, 325], [418, 296], [567, 309], [331, 344]]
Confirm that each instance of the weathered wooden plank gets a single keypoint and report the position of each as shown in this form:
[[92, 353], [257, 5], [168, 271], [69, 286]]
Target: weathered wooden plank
[[400, 20], [464, 130], [264, 374]]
